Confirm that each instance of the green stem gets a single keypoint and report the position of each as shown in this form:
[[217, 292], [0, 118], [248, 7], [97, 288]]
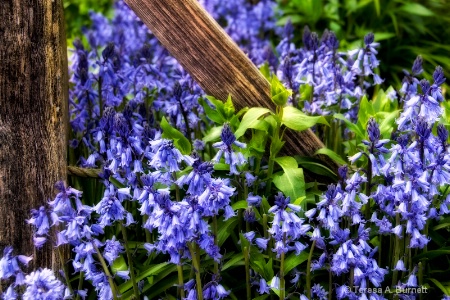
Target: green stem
[[80, 285], [247, 274], [148, 236], [100, 97], [266, 233], [406, 249], [130, 262], [379, 250], [282, 285], [368, 187], [214, 221], [420, 277], [112, 285], [66, 273], [180, 279], [177, 189], [274, 149], [396, 252], [330, 285], [352, 277], [269, 173], [308, 271], [266, 236], [193, 249]]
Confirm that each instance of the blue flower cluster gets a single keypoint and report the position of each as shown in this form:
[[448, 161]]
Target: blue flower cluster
[[124, 81], [337, 80]]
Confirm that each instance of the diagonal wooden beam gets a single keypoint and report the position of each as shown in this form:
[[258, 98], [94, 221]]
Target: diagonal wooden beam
[[218, 65]]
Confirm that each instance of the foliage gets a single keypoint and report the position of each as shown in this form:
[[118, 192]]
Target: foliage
[[195, 199], [403, 28], [77, 15]]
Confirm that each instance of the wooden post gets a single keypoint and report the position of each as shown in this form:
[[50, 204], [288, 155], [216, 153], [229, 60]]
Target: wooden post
[[204, 49], [33, 117]]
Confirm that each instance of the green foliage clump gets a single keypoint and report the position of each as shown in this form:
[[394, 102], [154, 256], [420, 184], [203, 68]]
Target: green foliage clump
[[404, 29]]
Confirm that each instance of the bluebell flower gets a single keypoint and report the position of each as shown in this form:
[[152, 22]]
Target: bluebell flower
[[249, 179], [286, 227], [329, 209], [42, 284], [319, 263], [165, 155], [318, 291], [213, 290], [216, 196], [9, 265], [110, 208], [10, 294], [254, 200], [112, 249], [198, 178], [198, 145], [249, 215], [275, 282], [261, 243], [263, 287], [400, 266], [232, 158]]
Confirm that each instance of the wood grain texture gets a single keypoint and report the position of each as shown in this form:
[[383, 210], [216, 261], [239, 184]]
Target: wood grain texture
[[33, 117], [204, 49]]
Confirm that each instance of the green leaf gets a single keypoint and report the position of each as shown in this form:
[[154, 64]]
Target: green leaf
[[377, 7], [221, 167], [268, 268], [244, 242], [444, 289], [291, 182], [240, 205], [116, 182], [225, 229], [353, 127], [387, 125], [263, 297], [305, 92], [236, 260], [216, 102], [258, 263], [432, 254], [251, 120], [297, 120], [213, 134], [163, 285], [315, 165], [258, 143], [331, 154], [299, 201], [294, 260], [265, 204], [150, 271], [365, 112], [440, 226], [417, 9], [212, 114], [119, 264], [229, 108], [265, 71], [380, 36], [279, 93], [179, 140]]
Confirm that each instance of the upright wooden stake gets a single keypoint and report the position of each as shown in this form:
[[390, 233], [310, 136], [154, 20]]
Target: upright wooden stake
[[204, 49], [33, 116]]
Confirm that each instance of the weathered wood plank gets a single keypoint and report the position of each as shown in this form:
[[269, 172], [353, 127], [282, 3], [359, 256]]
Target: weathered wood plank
[[33, 117], [204, 49]]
